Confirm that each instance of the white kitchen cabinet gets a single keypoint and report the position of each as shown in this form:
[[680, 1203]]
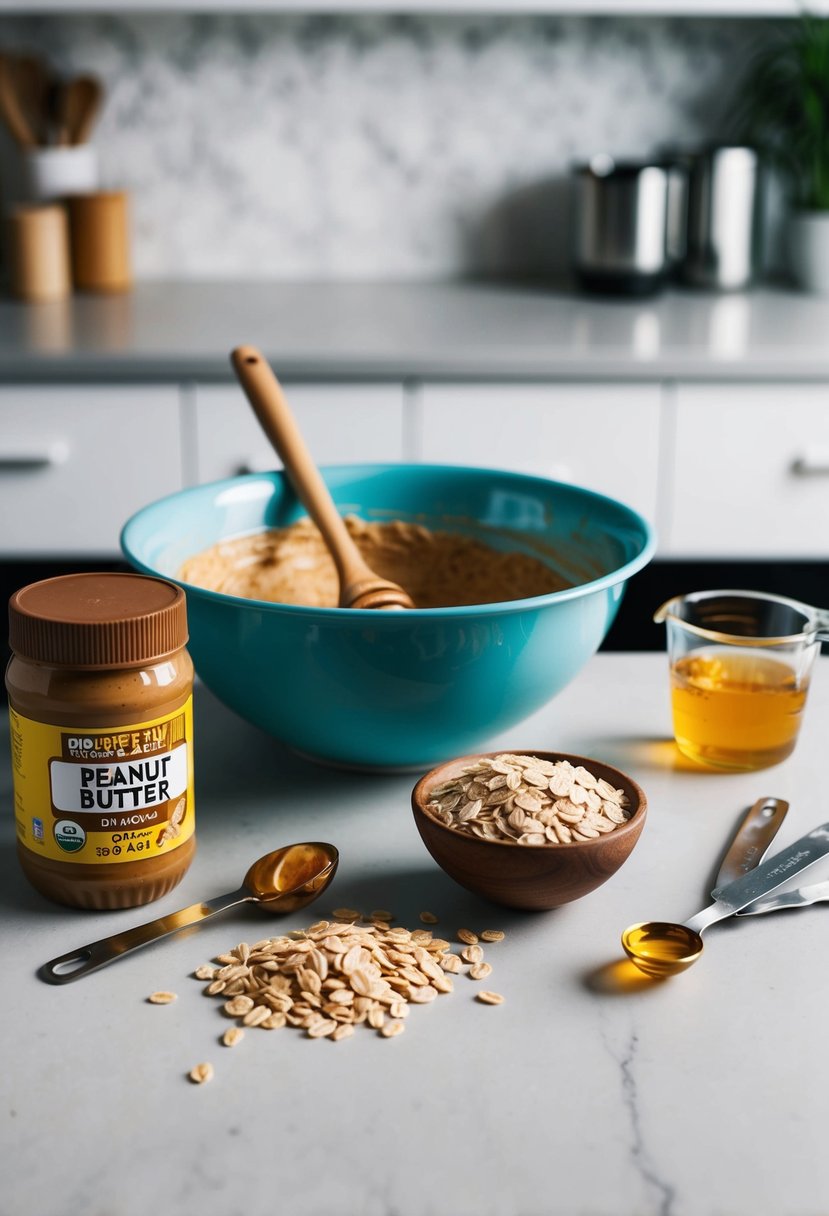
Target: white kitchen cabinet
[[602, 437], [341, 423], [76, 462], [751, 471]]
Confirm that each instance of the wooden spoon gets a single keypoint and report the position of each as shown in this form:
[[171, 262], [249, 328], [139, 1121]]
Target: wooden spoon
[[11, 107], [87, 94], [32, 77], [360, 587], [60, 107]]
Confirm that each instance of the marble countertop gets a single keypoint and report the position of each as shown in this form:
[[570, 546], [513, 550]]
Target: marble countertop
[[582, 1095], [352, 330]]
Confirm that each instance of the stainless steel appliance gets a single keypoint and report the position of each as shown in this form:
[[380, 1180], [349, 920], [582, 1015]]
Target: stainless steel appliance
[[722, 220], [620, 213]]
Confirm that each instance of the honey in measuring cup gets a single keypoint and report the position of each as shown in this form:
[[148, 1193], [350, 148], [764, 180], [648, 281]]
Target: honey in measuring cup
[[740, 665], [735, 710]]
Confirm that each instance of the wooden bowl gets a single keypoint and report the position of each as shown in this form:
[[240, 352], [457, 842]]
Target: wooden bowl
[[531, 877]]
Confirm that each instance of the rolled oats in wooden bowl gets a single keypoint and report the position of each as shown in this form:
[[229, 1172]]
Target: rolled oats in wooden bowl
[[529, 829]]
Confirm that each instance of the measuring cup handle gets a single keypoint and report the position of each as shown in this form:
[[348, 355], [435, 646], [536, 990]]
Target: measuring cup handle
[[822, 631], [77, 963]]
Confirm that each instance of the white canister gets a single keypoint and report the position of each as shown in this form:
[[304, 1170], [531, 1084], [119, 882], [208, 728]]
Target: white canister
[[808, 248], [53, 173]]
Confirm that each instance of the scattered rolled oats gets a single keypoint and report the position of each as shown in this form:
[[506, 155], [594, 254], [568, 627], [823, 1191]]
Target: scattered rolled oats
[[321, 1028], [428, 918], [238, 1006], [528, 801], [333, 975], [479, 971], [489, 998], [205, 972], [468, 937], [162, 998], [201, 1073], [337, 975], [390, 1029]]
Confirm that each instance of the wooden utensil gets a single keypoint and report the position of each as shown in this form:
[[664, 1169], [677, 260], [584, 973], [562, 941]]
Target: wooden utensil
[[85, 102], [360, 587], [33, 83], [11, 107], [76, 103], [59, 112]]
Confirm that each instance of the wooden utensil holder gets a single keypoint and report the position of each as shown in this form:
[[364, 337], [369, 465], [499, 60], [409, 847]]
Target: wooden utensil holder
[[39, 253], [100, 240]]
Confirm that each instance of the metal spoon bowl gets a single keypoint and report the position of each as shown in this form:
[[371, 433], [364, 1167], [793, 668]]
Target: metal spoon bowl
[[661, 948], [282, 882]]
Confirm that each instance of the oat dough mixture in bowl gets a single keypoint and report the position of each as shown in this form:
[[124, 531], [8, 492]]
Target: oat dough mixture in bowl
[[438, 569], [403, 689]]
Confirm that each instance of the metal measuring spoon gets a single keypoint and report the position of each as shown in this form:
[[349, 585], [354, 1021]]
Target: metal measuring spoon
[[752, 840], [803, 897], [662, 949], [283, 881]]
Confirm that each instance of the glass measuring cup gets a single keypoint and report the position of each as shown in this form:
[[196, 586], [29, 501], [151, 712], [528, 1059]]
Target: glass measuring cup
[[740, 666]]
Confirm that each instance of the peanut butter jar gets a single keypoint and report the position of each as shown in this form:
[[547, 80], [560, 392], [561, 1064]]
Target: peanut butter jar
[[101, 706]]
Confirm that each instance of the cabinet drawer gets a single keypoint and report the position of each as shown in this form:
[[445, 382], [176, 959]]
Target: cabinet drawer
[[751, 474], [342, 424], [603, 438], [75, 463]]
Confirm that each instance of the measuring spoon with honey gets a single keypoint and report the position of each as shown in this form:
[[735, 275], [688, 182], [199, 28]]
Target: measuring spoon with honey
[[283, 881], [662, 948]]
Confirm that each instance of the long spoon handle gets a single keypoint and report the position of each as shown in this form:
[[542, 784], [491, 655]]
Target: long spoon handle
[[802, 898], [265, 394], [74, 964], [752, 840], [765, 879]]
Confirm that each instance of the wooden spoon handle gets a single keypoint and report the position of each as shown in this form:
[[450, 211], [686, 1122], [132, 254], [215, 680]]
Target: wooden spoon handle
[[265, 394], [89, 95], [11, 108]]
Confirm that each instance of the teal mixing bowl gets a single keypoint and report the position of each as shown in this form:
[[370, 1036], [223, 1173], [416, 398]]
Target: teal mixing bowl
[[399, 689]]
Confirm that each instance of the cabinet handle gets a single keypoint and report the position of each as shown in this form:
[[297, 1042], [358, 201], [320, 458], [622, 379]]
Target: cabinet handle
[[26, 456], [813, 462]]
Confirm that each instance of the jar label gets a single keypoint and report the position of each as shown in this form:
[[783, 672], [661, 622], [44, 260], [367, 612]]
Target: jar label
[[104, 795]]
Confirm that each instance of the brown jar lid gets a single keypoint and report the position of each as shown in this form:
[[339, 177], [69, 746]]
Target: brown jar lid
[[98, 620]]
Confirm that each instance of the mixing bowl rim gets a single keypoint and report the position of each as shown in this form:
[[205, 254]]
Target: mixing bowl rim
[[619, 833], [502, 607]]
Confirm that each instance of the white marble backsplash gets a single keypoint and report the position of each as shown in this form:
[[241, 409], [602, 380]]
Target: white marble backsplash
[[377, 146]]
